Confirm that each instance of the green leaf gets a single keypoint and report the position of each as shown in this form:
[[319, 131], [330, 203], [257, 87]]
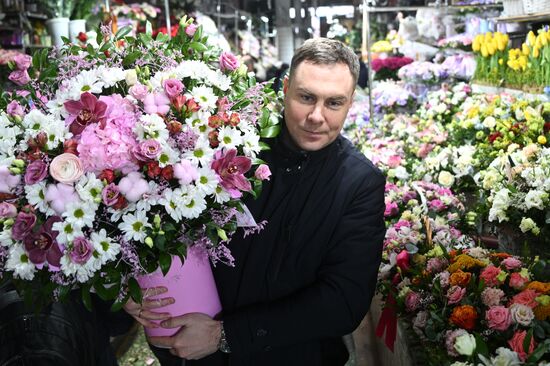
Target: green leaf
[[117, 305], [199, 47], [160, 242], [123, 32], [527, 340], [270, 132], [264, 118], [169, 227], [65, 40], [106, 46], [481, 346], [540, 351], [86, 297], [130, 58], [264, 146], [165, 261], [134, 290], [101, 291]]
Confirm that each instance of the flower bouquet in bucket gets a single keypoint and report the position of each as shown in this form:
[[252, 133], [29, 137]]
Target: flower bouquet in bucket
[[118, 160]]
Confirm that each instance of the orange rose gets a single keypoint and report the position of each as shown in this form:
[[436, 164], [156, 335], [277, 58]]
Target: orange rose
[[460, 278], [540, 287], [464, 316]]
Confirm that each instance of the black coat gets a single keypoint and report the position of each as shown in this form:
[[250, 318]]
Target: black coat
[[309, 276]]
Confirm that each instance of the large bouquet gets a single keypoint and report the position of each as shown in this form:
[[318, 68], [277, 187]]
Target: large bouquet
[[114, 159]]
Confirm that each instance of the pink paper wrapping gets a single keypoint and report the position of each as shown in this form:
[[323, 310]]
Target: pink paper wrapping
[[191, 285]]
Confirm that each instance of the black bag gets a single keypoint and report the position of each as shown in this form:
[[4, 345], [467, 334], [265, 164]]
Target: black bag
[[62, 334]]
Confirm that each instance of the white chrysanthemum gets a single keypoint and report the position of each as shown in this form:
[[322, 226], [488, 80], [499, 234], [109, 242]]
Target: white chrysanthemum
[[8, 138], [221, 195], [110, 75], [205, 97], [82, 272], [501, 202], [5, 238], [35, 122], [219, 80], [105, 250], [57, 132], [117, 214], [172, 200], [86, 81], [195, 69], [135, 226], [251, 144], [198, 122], [79, 214], [229, 137], [19, 263], [207, 182], [36, 194], [202, 154], [89, 188], [56, 105], [193, 203], [151, 126], [67, 232], [168, 156]]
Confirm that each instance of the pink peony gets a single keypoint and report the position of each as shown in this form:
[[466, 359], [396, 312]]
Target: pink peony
[[7, 180], [516, 344], [185, 172], [22, 61], [172, 87], [7, 210], [138, 91], [228, 61], [262, 172], [412, 301], [491, 296], [455, 294], [15, 109], [512, 263], [489, 276], [19, 77], [59, 195], [231, 169], [435, 265], [156, 103], [498, 318], [517, 281], [133, 186], [66, 168], [526, 297]]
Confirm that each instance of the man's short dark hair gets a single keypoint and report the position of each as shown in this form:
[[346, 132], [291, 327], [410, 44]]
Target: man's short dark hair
[[327, 52]]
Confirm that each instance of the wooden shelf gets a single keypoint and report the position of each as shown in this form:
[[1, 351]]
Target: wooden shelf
[[524, 18]]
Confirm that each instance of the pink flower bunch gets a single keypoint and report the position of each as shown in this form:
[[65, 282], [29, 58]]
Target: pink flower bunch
[[392, 63]]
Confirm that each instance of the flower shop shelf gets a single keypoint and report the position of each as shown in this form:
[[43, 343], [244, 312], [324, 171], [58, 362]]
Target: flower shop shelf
[[537, 17], [488, 89]]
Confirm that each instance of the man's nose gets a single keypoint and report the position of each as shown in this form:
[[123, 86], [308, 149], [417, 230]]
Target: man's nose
[[316, 114]]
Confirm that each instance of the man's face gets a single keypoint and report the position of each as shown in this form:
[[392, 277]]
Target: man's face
[[317, 100]]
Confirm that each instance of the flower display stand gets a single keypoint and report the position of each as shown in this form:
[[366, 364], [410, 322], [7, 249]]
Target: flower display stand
[[488, 89]]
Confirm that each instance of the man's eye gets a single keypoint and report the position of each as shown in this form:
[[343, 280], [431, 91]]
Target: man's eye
[[306, 98], [334, 104]]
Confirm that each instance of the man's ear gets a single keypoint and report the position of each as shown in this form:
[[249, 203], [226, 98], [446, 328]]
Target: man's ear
[[285, 84]]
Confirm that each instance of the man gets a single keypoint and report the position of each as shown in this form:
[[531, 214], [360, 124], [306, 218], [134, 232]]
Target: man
[[308, 278]]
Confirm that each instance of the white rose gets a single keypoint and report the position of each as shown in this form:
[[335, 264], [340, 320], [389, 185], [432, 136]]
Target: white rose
[[401, 173], [522, 314], [527, 224], [131, 77], [505, 357], [490, 122], [465, 344], [446, 179]]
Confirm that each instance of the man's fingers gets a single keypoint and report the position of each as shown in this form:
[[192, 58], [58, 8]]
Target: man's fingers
[[157, 303], [164, 342], [153, 291], [152, 315], [176, 322]]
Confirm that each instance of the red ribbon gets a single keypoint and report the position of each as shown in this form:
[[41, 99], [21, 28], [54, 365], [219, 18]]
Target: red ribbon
[[388, 322]]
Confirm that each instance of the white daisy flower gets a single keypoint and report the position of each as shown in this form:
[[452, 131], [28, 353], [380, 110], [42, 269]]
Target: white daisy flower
[[168, 156], [117, 214], [82, 272], [194, 203], [251, 144], [110, 75], [105, 250], [79, 214], [198, 122], [202, 154], [36, 196], [172, 200], [56, 132], [192, 68], [219, 80], [229, 137], [19, 263], [35, 122], [89, 188], [86, 81], [221, 195], [66, 231], [205, 97], [207, 182], [5, 237], [135, 226], [151, 126]]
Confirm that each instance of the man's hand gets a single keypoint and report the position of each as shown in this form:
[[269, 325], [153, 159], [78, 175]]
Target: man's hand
[[145, 312], [199, 336]]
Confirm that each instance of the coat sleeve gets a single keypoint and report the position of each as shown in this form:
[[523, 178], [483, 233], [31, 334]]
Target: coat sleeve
[[338, 300]]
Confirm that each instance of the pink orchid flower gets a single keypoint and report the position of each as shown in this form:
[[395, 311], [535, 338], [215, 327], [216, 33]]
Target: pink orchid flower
[[84, 112], [231, 168]]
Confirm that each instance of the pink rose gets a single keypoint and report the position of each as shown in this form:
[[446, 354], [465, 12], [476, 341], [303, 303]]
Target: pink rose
[[191, 29], [133, 186], [15, 109], [403, 260], [394, 161], [66, 168], [110, 194], [517, 281], [185, 172], [424, 150], [412, 301], [498, 318], [19, 77], [7, 180], [156, 103], [7, 210], [391, 209], [489, 276], [516, 344], [81, 251], [455, 294], [36, 172], [526, 297], [147, 150], [512, 263], [22, 61], [228, 61], [491, 296], [262, 172], [138, 91], [172, 87]]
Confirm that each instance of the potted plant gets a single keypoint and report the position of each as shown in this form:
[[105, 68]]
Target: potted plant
[[58, 24]]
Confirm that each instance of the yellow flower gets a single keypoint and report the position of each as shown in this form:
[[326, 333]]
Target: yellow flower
[[502, 43], [484, 51], [525, 49], [541, 139], [476, 45], [531, 38], [543, 39], [491, 48], [523, 62], [500, 61], [536, 52]]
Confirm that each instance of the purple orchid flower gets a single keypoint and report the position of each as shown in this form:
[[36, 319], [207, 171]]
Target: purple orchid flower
[[42, 245], [88, 110], [231, 168]]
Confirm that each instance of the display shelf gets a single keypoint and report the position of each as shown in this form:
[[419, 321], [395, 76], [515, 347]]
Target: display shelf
[[531, 18], [488, 89]]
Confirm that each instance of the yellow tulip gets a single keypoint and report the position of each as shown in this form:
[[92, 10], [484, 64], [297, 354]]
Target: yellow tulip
[[548, 35], [531, 38], [536, 52], [488, 37], [491, 48], [476, 46], [525, 49], [484, 51], [543, 39], [502, 43], [523, 62], [538, 41], [541, 139]]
